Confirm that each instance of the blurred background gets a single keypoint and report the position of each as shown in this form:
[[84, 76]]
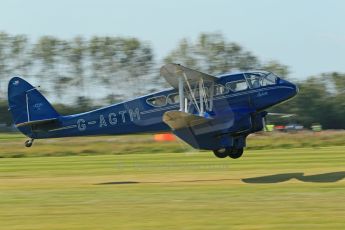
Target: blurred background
[[88, 54], [85, 54]]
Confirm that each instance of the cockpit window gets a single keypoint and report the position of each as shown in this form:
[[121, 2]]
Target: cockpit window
[[256, 80], [253, 80], [269, 79], [158, 101], [237, 85]]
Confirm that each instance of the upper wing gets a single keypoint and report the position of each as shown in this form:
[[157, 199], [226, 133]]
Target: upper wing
[[172, 72]]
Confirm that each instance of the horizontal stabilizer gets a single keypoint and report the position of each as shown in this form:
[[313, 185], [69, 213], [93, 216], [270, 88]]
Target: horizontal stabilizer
[[177, 119], [37, 122]]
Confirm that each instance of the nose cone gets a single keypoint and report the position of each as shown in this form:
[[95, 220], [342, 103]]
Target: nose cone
[[296, 89], [292, 88]]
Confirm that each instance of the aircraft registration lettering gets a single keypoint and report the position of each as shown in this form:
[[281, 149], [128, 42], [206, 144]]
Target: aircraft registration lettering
[[134, 114], [81, 124], [122, 113], [102, 121], [111, 119]]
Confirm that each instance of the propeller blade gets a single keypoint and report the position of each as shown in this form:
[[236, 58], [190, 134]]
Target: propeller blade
[[282, 115]]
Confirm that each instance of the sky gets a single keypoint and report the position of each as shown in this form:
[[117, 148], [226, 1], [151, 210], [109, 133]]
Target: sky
[[306, 35]]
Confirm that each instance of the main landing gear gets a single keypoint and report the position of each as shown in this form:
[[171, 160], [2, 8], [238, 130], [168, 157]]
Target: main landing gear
[[29, 143], [233, 153]]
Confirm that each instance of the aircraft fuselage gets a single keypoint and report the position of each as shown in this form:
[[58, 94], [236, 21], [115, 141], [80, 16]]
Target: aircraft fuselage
[[138, 116]]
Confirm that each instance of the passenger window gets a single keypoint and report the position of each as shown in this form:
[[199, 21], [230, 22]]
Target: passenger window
[[157, 101], [173, 98], [237, 85]]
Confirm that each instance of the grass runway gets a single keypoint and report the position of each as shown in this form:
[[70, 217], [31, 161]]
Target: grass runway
[[297, 188]]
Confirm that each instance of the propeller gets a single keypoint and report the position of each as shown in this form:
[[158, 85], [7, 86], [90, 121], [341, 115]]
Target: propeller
[[282, 115]]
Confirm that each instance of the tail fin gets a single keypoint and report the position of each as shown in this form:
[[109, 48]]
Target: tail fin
[[27, 105]]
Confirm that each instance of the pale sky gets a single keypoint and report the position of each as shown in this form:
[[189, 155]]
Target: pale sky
[[306, 35]]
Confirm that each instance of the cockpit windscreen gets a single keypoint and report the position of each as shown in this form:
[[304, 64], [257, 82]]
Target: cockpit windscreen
[[259, 79]]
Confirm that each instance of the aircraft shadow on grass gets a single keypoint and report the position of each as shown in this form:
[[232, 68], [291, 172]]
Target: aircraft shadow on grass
[[270, 179], [162, 182], [317, 178]]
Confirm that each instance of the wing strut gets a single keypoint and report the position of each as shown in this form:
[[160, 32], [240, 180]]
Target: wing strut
[[201, 95], [196, 94], [196, 89], [191, 93], [181, 94]]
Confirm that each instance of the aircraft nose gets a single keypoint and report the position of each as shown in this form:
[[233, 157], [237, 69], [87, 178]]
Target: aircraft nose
[[294, 88]]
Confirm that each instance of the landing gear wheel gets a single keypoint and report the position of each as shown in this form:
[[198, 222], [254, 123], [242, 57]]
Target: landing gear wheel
[[221, 153], [235, 153], [29, 143]]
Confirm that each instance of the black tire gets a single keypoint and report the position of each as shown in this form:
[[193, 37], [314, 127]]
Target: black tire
[[235, 153], [28, 143], [220, 153]]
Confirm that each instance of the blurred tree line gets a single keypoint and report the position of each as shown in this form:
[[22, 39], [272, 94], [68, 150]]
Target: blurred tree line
[[321, 99], [80, 74]]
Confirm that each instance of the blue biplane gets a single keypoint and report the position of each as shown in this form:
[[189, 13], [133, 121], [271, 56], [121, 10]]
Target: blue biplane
[[208, 112]]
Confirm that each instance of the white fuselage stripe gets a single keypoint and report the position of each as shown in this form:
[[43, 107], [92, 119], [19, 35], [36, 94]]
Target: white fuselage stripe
[[221, 97]]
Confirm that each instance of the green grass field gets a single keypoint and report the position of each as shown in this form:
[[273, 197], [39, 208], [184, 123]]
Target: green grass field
[[11, 145], [278, 188]]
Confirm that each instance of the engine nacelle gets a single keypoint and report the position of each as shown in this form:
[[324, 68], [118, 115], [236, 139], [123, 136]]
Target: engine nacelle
[[258, 121]]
